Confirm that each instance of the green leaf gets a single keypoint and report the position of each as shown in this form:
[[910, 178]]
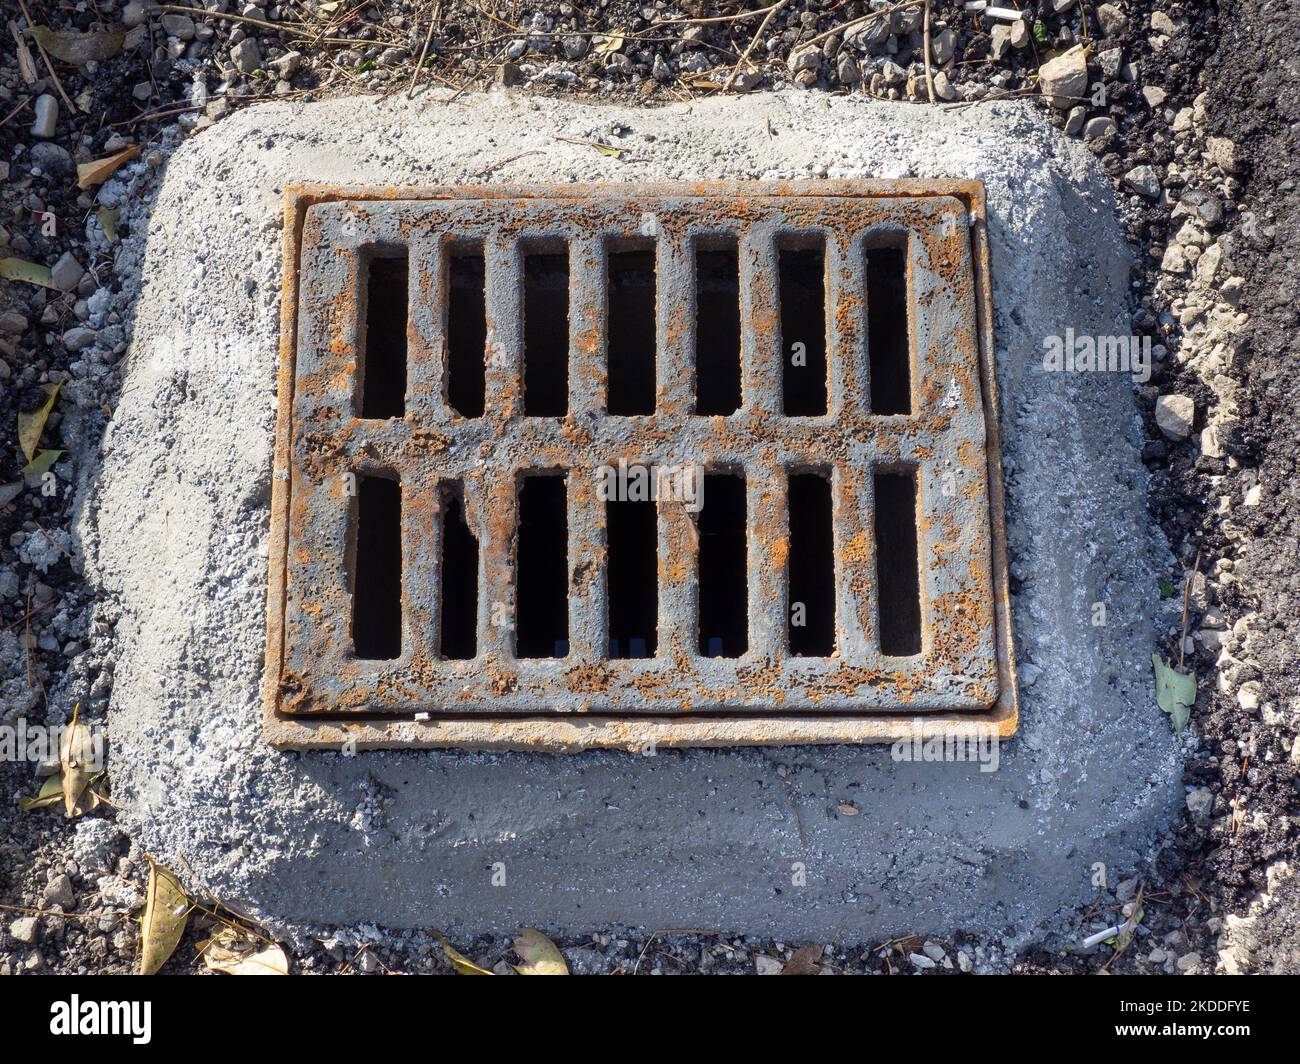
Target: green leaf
[[50, 794], [22, 270], [108, 217], [41, 463], [1040, 32], [539, 953], [78, 48], [1166, 587], [32, 423], [462, 964], [1175, 692], [166, 909]]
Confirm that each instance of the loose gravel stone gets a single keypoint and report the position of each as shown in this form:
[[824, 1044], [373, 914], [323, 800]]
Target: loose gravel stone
[[45, 116], [1174, 415]]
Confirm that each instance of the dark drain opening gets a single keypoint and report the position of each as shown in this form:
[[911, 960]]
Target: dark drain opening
[[717, 328], [887, 335], [802, 276], [723, 584], [383, 349], [377, 570], [811, 566], [542, 568], [459, 624], [897, 574], [631, 531], [466, 330], [546, 333], [631, 371]]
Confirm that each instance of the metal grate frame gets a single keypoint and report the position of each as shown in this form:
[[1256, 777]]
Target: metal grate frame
[[318, 695]]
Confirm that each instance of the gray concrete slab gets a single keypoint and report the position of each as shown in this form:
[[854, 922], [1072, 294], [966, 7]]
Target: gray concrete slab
[[175, 526]]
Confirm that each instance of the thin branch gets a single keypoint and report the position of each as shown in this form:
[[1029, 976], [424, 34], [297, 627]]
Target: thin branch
[[48, 65], [925, 44], [762, 26]]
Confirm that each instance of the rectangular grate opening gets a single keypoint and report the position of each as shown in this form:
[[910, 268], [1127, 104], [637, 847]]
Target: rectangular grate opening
[[897, 571], [632, 534], [542, 567], [772, 564], [466, 328], [801, 272], [811, 565], [888, 345], [722, 574], [717, 326], [382, 363], [377, 569], [546, 329], [458, 627], [631, 332]]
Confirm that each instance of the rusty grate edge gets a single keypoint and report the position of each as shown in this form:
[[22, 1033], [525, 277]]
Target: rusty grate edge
[[569, 733]]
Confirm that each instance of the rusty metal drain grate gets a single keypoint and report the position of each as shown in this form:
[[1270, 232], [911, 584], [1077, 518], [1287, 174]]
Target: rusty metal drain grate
[[627, 466]]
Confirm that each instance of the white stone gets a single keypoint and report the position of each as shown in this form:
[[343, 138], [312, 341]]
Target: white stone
[[1174, 415]]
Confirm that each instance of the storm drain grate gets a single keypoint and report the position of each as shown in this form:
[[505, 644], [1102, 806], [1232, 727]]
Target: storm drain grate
[[618, 466]]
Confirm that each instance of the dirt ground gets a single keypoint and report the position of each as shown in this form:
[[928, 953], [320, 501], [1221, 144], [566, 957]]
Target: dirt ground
[[1204, 94]]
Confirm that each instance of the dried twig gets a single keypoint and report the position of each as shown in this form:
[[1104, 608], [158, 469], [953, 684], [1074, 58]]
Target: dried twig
[[1187, 596], [419, 63], [925, 44], [762, 26], [48, 65], [744, 15], [26, 64], [14, 110], [497, 166]]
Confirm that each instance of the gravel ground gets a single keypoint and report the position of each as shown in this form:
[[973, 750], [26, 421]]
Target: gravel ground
[[1196, 126]]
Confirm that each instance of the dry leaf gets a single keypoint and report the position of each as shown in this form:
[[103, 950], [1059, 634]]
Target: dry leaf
[[804, 961], [78, 48], [76, 755], [22, 270], [611, 42], [848, 809], [462, 964], [166, 909], [236, 952], [32, 423], [540, 955], [100, 170], [50, 794]]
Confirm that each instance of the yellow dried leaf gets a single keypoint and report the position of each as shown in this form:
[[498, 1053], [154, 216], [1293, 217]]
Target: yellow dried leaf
[[100, 170], [32, 423], [462, 964], [76, 758], [539, 953], [611, 42], [166, 909], [234, 951]]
